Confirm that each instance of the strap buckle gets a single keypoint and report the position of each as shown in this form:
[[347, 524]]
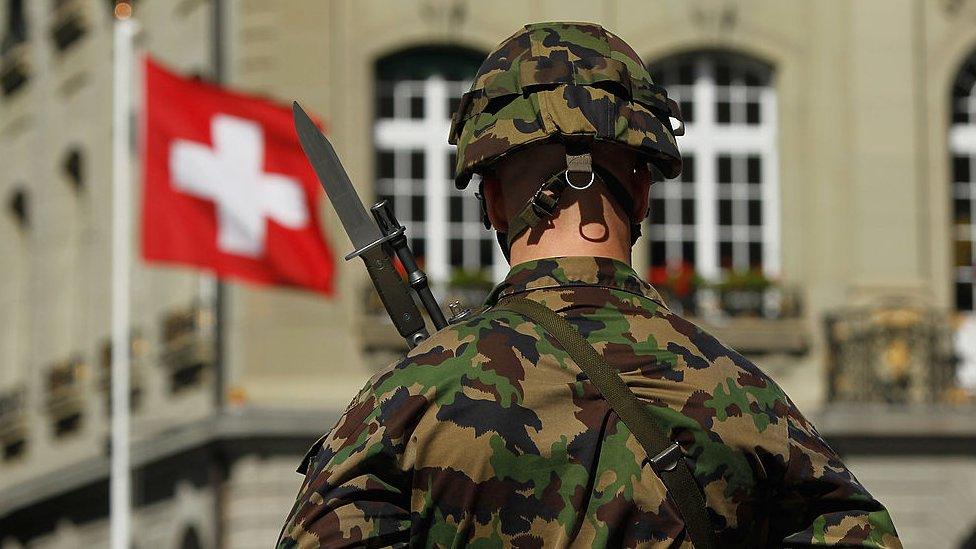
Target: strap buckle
[[543, 204], [667, 460]]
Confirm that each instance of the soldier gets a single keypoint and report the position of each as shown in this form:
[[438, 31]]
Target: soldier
[[511, 429]]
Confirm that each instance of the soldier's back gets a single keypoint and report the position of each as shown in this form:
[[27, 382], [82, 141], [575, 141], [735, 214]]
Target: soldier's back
[[489, 433]]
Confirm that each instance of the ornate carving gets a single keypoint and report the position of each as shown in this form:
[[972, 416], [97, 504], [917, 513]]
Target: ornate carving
[[449, 12], [714, 16]]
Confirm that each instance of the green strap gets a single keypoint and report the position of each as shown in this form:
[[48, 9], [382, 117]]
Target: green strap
[[667, 462], [541, 206]]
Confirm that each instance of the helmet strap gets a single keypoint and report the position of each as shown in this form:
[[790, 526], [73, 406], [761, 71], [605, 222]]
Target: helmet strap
[[623, 198], [580, 173], [542, 206]]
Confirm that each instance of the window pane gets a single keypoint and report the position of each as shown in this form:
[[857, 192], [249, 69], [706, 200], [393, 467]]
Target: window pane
[[688, 211], [657, 210], [688, 168], [416, 107], [964, 94], [755, 255], [487, 250], [688, 252], [961, 172], [725, 255], [755, 213], [452, 164], [419, 247], [752, 113], [723, 111], [457, 252], [456, 207], [384, 102], [724, 212], [753, 169], [419, 208], [723, 75], [724, 169], [687, 111], [962, 210], [658, 254], [417, 165], [385, 165], [964, 296], [964, 253]]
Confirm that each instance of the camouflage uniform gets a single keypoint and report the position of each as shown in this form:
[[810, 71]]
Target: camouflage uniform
[[488, 434]]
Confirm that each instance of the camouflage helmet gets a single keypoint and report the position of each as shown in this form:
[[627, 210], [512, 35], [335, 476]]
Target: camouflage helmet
[[566, 82]]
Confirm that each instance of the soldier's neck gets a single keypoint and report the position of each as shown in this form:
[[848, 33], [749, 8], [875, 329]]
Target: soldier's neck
[[568, 236]]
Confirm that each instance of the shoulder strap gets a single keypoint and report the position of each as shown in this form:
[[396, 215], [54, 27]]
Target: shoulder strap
[[667, 462]]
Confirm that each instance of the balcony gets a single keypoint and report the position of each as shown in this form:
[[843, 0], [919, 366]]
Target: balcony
[[66, 394], [13, 422], [895, 353], [750, 313], [138, 347], [746, 310], [470, 288], [187, 346]]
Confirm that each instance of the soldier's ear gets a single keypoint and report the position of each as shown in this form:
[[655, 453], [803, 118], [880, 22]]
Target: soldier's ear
[[642, 189], [495, 202]]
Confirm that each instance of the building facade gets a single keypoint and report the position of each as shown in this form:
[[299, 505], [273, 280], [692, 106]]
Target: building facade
[[830, 169]]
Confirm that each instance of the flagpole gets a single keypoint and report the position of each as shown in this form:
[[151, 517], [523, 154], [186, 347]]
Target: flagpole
[[218, 468], [120, 489], [220, 290]]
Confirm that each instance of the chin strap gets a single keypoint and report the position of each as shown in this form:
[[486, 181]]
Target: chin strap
[[580, 174]]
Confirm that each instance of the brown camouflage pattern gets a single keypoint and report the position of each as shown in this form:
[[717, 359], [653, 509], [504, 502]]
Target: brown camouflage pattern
[[562, 81], [489, 435]]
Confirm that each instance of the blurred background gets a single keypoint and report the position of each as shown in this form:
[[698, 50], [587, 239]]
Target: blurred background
[[823, 226]]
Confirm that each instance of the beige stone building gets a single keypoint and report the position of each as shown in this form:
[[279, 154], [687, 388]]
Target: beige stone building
[[830, 169]]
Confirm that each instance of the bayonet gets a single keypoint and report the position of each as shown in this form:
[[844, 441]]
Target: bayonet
[[375, 240]]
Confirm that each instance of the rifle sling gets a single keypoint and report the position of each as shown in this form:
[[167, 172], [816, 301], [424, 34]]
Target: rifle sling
[[675, 474]]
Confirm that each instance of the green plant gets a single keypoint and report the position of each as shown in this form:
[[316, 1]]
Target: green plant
[[751, 280], [471, 279]]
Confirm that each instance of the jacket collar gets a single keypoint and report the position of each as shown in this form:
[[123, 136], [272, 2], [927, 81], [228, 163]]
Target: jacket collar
[[561, 272]]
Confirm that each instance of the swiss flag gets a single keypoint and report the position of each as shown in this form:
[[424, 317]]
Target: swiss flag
[[227, 187]]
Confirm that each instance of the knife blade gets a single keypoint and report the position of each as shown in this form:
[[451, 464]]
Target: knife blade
[[362, 229]]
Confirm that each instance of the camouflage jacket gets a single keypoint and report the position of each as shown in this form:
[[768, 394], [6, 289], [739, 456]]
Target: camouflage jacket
[[488, 435]]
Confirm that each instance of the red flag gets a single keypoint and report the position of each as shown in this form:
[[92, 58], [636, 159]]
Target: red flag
[[227, 187]]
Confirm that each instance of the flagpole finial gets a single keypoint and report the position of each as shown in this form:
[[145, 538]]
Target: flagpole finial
[[123, 10]]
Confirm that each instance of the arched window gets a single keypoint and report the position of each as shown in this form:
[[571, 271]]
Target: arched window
[[722, 213], [962, 142], [417, 91]]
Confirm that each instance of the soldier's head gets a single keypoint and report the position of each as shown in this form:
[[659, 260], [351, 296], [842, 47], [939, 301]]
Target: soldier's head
[[561, 119]]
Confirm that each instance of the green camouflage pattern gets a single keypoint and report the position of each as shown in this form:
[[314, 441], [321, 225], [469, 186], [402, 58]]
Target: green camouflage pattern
[[562, 81], [489, 435]]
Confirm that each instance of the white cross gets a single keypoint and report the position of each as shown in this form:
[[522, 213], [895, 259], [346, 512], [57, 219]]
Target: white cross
[[231, 175]]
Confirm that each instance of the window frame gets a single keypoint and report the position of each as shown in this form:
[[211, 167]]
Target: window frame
[[706, 139], [428, 134]]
